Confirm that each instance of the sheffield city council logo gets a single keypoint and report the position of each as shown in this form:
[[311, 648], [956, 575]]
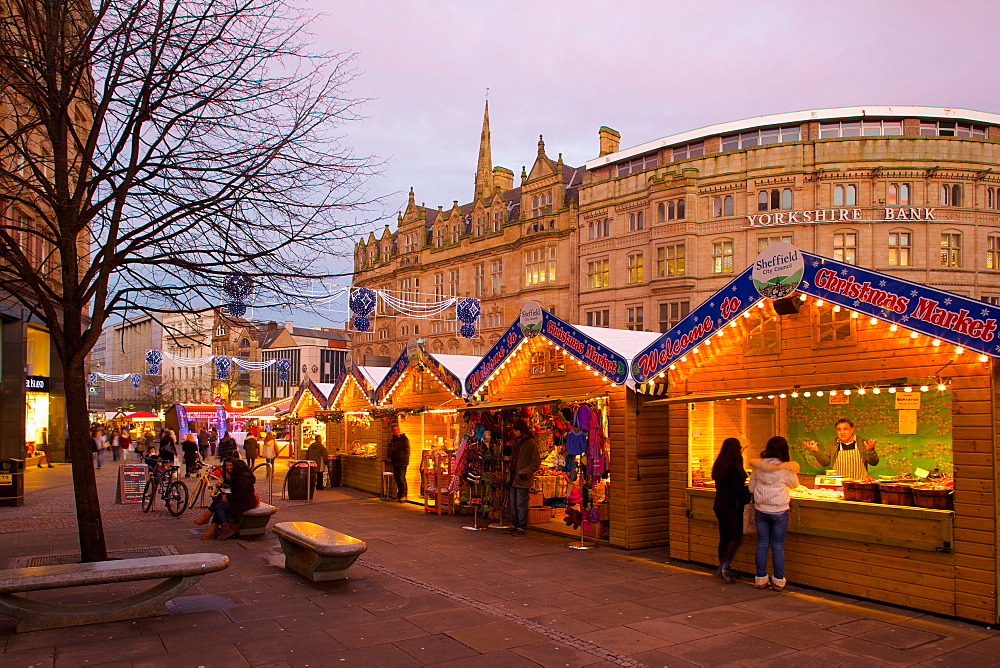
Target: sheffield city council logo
[[531, 319], [777, 270]]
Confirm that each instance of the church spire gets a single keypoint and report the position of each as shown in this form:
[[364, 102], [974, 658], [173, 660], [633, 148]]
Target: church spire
[[484, 170]]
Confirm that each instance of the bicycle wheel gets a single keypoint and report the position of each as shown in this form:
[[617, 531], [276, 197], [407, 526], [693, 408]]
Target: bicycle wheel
[[199, 489], [149, 495], [176, 498]]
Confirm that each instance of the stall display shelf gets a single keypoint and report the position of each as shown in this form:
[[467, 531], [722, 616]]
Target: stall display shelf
[[436, 468]]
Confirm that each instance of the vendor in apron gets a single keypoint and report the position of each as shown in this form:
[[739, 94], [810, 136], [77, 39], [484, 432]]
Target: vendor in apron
[[847, 454]]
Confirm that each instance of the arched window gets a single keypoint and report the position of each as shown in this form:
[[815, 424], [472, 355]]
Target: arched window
[[661, 213], [762, 201], [680, 210], [956, 195], [727, 205], [900, 247], [786, 198], [716, 207], [670, 211]]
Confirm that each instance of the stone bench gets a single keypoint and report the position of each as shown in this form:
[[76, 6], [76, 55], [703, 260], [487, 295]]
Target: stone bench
[[254, 521], [316, 552], [180, 571]]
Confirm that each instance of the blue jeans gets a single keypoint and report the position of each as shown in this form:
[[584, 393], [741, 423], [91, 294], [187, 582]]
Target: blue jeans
[[771, 530], [219, 509], [519, 507]]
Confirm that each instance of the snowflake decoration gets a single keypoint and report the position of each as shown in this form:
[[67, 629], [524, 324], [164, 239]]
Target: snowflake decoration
[[881, 284], [947, 301], [711, 305], [985, 312], [856, 303], [815, 263], [362, 301], [467, 310], [905, 318], [843, 272], [222, 364], [284, 366], [914, 293], [238, 287], [136, 381]]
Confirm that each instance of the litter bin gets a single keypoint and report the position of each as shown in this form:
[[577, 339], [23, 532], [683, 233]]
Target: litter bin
[[11, 482], [301, 480], [333, 471]]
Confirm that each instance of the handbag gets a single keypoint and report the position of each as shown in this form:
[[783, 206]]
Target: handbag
[[749, 520], [745, 496]]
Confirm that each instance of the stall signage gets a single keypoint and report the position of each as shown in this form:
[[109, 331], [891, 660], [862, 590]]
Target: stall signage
[[494, 357], [777, 271], [587, 350], [363, 382], [395, 372], [182, 421], [36, 383], [131, 482], [956, 319], [220, 420], [450, 380]]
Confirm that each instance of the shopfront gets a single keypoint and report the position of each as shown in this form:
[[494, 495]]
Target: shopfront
[[301, 422], [799, 343], [352, 432], [599, 478], [422, 392], [192, 418]]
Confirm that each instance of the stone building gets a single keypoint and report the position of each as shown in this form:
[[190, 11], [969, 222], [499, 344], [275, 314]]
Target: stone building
[[505, 246]]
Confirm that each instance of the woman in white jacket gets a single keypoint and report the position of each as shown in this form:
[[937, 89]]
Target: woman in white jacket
[[773, 475]]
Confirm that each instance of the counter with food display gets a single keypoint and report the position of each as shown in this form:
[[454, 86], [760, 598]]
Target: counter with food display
[[904, 510]]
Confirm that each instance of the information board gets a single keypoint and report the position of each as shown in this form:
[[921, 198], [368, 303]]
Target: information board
[[131, 482]]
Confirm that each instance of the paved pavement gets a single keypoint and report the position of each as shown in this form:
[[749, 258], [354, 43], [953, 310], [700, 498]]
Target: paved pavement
[[429, 593]]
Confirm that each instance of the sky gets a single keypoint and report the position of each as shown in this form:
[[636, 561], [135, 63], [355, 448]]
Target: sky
[[646, 68]]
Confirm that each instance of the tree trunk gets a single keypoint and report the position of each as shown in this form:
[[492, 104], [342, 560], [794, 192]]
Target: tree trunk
[[88, 505]]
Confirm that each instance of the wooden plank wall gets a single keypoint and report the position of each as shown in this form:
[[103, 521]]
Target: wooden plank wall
[[962, 583], [636, 517], [359, 472]]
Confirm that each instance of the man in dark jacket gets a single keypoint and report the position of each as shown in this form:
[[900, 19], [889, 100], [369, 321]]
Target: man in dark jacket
[[317, 453], [399, 459], [203, 443], [228, 447], [525, 460]]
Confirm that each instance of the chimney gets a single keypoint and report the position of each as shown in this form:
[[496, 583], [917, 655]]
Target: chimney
[[610, 140], [289, 324], [503, 179]]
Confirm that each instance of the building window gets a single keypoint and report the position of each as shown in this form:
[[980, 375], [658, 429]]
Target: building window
[[670, 210], [540, 265], [834, 325], [496, 276], [774, 199], [497, 221], [383, 334], [991, 299], [479, 272], [845, 247], [635, 268], [672, 313], [670, 260], [694, 150], [439, 236], [763, 334], [866, 128], [598, 274], [722, 256], [221, 331], [900, 246], [410, 242], [993, 252], [951, 194], [453, 280], [761, 137], [951, 249], [598, 229], [541, 205], [635, 221], [636, 165], [633, 317], [845, 195], [952, 129], [480, 226], [439, 286], [764, 242], [722, 206], [898, 194], [599, 318]]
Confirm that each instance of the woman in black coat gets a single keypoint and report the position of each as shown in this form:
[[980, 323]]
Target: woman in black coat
[[168, 445], [731, 495]]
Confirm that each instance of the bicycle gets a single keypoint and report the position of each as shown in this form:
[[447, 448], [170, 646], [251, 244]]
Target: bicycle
[[209, 479], [173, 492]]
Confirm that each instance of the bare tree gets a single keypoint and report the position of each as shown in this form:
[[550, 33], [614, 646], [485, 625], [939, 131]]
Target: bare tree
[[150, 148]]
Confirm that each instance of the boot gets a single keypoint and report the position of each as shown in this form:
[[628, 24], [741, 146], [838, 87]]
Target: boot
[[204, 518], [210, 534], [225, 531], [726, 574]]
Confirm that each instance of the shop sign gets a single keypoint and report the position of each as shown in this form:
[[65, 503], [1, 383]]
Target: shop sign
[[220, 419], [959, 320], [838, 216], [451, 381], [36, 383], [395, 371], [777, 272], [182, 421], [587, 350], [494, 357], [131, 482], [531, 319]]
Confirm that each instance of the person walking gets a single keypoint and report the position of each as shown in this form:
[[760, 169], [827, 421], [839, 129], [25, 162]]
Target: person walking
[[524, 462], [141, 443], [168, 446], [203, 443], [270, 449], [213, 439], [773, 475], [731, 495], [43, 447], [190, 449], [399, 459], [97, 446], [251, 450], [116, 445]]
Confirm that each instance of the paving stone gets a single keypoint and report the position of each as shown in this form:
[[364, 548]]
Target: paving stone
[[728, 649], [657, 657], [671, 631], [792, 633], [880, 652], [486, 638], [527, 607], [498, 659], [304, 647], [73, 656], [374, 633], [615, 614], [441, 621], [552, 654], [821, 656], [624, 640], [900, 637], [433, 649], [221, 655], [718, 619], [857, 627], [37, 657]]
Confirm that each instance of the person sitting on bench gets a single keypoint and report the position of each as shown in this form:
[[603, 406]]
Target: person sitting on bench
[[237, 496]]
